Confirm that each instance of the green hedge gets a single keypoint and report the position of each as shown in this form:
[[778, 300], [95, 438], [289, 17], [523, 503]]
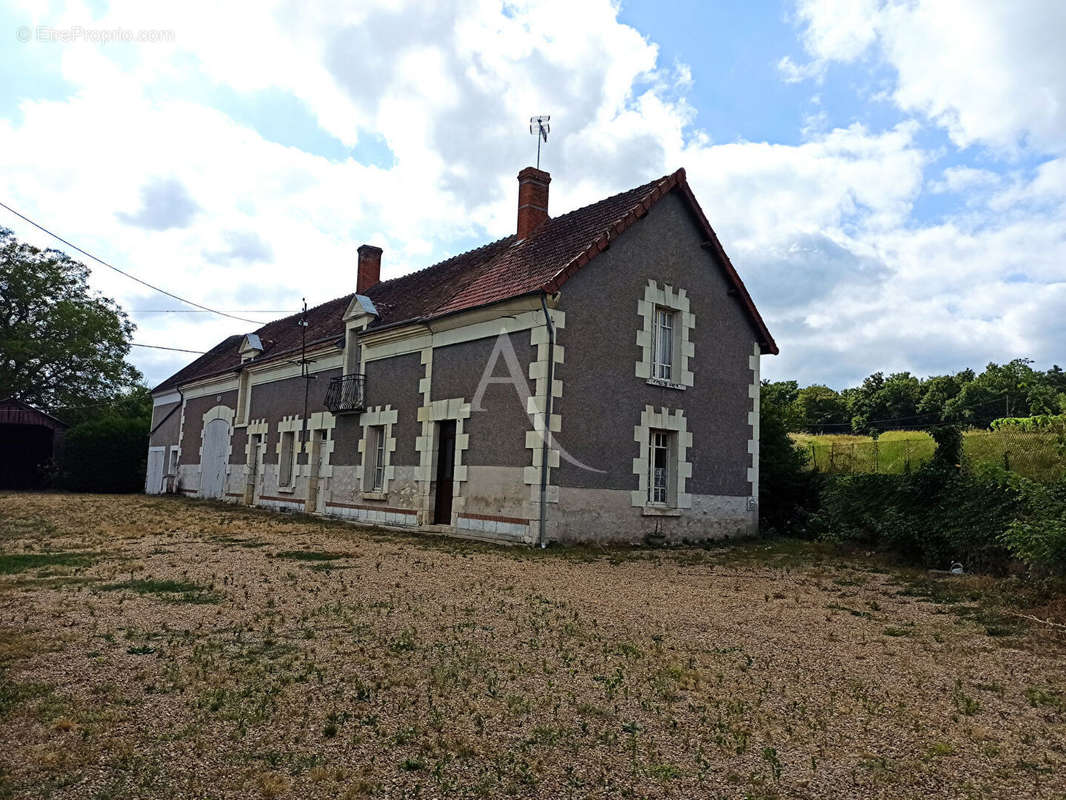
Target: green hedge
[[106, 455]]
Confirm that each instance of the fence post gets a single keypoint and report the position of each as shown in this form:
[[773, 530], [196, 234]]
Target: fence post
[[907, 455], [876, 458], [814, 456], [1006, 460]]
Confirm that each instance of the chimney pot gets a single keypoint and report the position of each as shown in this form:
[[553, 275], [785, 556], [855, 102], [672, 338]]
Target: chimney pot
[[532, 200], [369, 267]]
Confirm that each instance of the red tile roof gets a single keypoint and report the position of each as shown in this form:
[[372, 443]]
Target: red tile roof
[[507, 268]]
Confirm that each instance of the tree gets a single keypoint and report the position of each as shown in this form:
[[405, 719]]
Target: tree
[[884, 402], [781, 396], [61, 345], [819, 407], [999, 391]]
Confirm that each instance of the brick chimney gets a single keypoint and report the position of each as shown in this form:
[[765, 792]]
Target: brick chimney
[[532, 200], [369, 267]]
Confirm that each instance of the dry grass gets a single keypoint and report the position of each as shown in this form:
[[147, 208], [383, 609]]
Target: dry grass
[[403, 666]]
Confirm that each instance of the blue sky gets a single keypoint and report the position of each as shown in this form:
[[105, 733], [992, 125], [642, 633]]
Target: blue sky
[[888, 176]]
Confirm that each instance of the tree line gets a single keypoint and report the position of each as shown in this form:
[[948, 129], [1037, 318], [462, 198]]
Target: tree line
[[904, 401]]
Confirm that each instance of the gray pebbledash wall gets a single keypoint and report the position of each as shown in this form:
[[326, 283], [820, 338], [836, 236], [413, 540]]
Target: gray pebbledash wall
[[498, 431], [275, 400], [389, 381], [194, 422], [167, 433], [602, 396]]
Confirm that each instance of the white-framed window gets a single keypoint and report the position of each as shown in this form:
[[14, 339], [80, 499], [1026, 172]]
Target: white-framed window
[[172, 461], [663, 344], [288, 456], [376, 434], [660, 485], [665, 336], [662, 468], [376, 446]]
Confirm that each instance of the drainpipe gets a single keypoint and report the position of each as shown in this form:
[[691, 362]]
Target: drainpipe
[[546, 433]]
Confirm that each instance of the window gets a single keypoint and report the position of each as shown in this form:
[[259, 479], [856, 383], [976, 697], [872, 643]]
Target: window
[[660, 445], [243, 397], [663, 345], [288, 441], [172, 462], [665, 336], [376, 443]]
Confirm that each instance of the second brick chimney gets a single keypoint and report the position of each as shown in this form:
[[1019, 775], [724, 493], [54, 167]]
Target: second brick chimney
[[369, 267], [532, 200]]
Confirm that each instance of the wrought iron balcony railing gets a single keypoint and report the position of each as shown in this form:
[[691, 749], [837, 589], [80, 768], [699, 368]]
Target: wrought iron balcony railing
[[346, 394]]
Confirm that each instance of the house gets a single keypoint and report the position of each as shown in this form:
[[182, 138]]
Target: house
[[621, 327], [30, 441]]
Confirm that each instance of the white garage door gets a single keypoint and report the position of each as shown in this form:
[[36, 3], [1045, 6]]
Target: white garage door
[[213, 458]]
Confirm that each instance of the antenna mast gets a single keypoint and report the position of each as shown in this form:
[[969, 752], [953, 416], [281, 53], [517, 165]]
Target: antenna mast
[[539, 127]]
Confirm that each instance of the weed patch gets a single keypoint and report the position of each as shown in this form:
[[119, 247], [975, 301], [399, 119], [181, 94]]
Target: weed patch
[[169, 590]]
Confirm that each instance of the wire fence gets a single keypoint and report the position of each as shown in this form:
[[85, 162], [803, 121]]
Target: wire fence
[[1040, 456]]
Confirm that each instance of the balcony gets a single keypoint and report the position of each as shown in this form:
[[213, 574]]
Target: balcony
[[347, 394]]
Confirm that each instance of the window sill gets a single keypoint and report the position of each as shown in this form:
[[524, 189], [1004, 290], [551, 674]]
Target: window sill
[[287, 489], [665, 384], [239, 425], [374, 495], [660, 511]]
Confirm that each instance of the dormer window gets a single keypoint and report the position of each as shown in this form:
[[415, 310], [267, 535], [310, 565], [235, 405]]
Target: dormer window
[[360, 313], [251, 347]]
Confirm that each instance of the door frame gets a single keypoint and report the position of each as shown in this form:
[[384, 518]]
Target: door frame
[[440, 466]]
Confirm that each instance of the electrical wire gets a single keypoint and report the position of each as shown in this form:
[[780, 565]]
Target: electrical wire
[[123, 272], [160, 347], [198, 311]]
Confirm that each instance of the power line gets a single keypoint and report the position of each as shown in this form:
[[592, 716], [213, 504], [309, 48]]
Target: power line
[[160, 347], [198, 311], [123, 272]]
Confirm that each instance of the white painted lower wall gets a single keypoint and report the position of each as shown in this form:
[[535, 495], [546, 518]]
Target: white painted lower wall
[[498, 507], [608, 516]]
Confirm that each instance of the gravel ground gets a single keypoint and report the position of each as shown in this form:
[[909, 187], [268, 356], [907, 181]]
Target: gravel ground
[[158, 647]]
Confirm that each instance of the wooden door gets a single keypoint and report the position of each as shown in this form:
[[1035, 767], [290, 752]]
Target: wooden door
[[153, 483], [442, 510], [213, 458], [314, 483], [253, 468]]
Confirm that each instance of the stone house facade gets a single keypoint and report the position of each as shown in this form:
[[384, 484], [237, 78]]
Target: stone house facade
[[593, 377]]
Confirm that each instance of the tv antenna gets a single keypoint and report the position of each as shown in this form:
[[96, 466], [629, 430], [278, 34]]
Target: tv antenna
[[539, 127]]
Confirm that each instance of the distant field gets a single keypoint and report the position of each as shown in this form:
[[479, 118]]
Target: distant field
[[1035, 455]]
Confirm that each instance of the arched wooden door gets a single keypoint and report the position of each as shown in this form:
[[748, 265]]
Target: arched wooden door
[[213, 458]]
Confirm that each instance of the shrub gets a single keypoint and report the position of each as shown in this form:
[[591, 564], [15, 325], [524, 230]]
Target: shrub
[[788, 490], [934, 516], [1038, 537], [106, 455]]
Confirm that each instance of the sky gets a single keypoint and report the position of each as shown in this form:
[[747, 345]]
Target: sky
[[888, 176]]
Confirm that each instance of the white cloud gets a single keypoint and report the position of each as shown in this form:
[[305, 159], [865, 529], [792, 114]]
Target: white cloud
[[822, 231], [989, 71]]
